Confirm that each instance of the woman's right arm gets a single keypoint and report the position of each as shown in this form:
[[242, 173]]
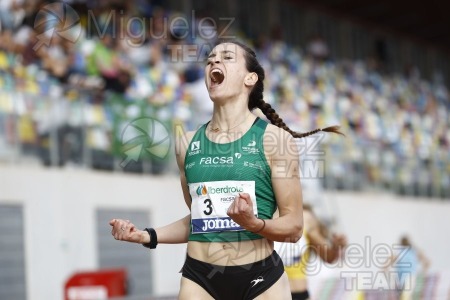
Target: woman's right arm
[[173, 233]]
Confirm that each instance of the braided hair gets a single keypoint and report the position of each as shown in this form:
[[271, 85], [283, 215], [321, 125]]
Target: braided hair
[[256, 96]]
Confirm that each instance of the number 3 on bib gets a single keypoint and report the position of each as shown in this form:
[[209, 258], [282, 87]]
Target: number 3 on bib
[[209, 208]]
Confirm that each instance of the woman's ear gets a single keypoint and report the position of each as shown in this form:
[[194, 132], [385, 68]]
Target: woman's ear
[[251, 79]]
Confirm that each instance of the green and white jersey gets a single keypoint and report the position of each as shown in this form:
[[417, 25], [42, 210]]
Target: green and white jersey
[[216, 173]]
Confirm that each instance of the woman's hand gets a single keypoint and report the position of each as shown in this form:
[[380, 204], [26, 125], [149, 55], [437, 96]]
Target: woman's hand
[[241, 211], [339, 242], [124, 230]]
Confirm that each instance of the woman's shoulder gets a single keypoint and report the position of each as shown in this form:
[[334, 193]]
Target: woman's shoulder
[[276, 139], [278, 132]]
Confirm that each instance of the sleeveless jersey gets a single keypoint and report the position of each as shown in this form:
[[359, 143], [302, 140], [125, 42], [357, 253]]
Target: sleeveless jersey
[[216, 173]]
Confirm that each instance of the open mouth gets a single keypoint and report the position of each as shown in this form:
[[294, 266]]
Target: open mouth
[[217, 77]]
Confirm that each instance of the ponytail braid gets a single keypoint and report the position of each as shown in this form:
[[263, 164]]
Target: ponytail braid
[[275, 119], [256, 96]]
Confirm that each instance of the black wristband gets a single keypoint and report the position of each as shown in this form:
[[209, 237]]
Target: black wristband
[[264, 226], [153, 239]]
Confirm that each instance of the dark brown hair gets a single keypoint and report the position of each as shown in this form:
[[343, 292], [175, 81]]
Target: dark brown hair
[[404, 241], [256, 95]]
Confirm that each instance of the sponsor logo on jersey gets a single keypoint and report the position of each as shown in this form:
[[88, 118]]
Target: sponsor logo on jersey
[[250, 148], [216, 160], [195, 148], [190, 165], [226, 190], [202, 190], [254, 165], [214, 225], [227, 199]]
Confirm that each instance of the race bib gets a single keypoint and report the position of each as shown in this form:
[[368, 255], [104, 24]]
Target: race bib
[[210, 202]]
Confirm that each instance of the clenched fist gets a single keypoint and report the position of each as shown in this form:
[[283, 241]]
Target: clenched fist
[[124, 230], [241, 211]]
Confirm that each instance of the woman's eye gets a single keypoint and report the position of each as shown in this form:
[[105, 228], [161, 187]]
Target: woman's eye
[[228, 57]]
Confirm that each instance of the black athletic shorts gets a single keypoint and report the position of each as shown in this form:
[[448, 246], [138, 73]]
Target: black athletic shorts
[[300, 295], [234, 282]]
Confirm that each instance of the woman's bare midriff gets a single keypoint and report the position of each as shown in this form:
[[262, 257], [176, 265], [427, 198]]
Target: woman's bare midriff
[[230, 253]]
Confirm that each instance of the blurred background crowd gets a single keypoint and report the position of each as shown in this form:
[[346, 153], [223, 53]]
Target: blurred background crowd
[[92, 93], [67, 94]]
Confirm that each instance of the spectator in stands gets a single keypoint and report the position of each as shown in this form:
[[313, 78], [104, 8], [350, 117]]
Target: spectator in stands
[[104, 61], [25, 39], [54, 58], [390, 120], [317, 48], [11, 14]]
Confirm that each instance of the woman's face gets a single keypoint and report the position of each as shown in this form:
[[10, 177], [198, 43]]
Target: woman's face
[[225, 72]]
